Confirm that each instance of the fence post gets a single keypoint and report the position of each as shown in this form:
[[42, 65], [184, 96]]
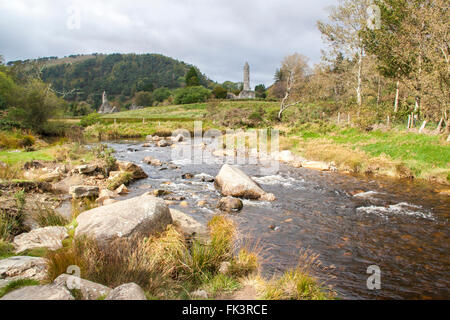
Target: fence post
[[339, 117], [409, 120]]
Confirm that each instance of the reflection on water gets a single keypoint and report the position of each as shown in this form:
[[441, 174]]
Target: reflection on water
[[400, 226]]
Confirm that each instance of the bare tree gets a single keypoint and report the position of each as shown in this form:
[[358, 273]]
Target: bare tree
[[294, 69]]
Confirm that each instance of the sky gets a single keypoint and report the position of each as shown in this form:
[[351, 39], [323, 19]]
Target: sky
[[216, 36]]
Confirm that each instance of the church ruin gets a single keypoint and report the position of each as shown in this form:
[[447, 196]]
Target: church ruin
[[106, 107]]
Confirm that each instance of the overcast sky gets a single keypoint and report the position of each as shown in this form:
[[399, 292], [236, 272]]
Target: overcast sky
[[217, 36]]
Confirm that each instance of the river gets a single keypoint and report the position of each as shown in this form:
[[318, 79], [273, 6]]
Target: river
[[399, 226]]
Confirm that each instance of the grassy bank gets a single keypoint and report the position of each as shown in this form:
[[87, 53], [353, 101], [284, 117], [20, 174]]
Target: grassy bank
[[392, 152]]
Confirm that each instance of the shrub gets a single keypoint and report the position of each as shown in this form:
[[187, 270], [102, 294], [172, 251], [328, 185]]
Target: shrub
[[191, 95], [90, 119], [161, 94], [219, 92]]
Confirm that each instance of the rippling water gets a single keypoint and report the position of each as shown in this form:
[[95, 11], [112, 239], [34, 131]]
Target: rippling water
[[400, 226]]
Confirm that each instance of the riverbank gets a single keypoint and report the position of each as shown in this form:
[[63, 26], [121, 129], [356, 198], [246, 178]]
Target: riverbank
[[170, 264]]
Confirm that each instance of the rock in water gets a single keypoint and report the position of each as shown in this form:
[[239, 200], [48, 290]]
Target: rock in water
[[230, 204], [48, 237], [23, 267], [89, 290], [139, 216], [137, 171], [188, 225], [127, 291], [232, 181], [47, 292]]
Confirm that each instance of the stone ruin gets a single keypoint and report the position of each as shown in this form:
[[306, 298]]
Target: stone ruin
[[247, 93], [106, 107]]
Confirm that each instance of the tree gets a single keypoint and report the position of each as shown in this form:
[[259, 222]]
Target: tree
[[191, 95], [161, 94], [143, 98], [219, 92], [294, 67], [192, 78], [412, 47], [348, 19], [260, 91], [35, 105]]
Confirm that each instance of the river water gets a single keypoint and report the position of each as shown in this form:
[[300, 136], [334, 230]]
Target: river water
[[399, 226]]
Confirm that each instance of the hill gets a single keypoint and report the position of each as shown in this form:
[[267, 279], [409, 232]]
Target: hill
[[120, 75]]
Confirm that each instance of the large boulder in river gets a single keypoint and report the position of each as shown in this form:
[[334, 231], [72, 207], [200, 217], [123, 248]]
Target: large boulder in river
[[232, 181], [139, 216], [136, 171], [48, 237]]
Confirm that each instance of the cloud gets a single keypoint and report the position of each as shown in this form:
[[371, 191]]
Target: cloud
[[217, 36]]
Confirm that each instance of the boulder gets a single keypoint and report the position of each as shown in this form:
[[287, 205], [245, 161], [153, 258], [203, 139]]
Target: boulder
[[187, 176], [146, 145], [64, 185], [178, 138], [23, 267], [204, 177], [127, 291], [229, 204], [51, 176], [46, 292], [78, 192], [232, 181], [163, 143], [188, 225], [122, 189], [34, 164], [86, 168], [89, 290], [48, 237], [137, 171], [284, 156], [152, 161], [149, 137], [139, 216]]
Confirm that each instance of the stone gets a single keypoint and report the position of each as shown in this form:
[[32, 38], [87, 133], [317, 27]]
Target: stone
[[149, 137], [316, 165], [152, 161], [230, 204], [45, 292], [160, 192], [174, 198], [163, 143], [136, 171], [78, 192], [51, 176], [199, 294], [20, 267], [64, 185], [86, 168], [48, 237], [178, 138], [107, 193], [89, 290], [34, 164], [127, 291], [188, 225], [187, 176], [184, 204], [202, 203], [141, 216], [232, 181], [224, 267], [146, 145], [204, 177], [122, 189]]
